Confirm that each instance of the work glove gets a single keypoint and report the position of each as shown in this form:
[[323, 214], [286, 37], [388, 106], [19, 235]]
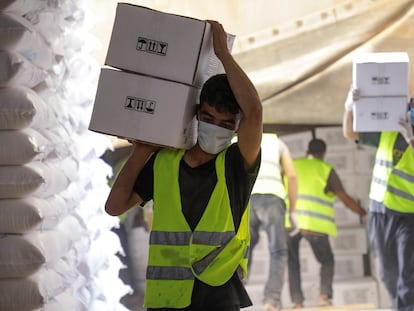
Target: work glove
[[293, 224], [407, 128], [353, 96]]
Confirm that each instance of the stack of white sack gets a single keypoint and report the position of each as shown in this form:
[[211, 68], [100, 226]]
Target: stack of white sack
[[57, 250]]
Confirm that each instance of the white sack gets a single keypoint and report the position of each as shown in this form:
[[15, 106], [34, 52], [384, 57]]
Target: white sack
[[138, 247], [106, 245], [32, 292], [17, 70], [18, 147], [18, 35], [20, 7], [66, 301], [22, 255], [29, 214], [21, 107], [90, 145], [35, 178], [72, 228], [108, 288]]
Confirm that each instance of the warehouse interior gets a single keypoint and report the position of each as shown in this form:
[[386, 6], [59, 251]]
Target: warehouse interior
[[59, 250]]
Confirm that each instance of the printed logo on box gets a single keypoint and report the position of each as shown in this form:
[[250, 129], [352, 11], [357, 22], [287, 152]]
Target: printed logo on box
[[140, 104], [152, 46], [379, 115], [380, 80]]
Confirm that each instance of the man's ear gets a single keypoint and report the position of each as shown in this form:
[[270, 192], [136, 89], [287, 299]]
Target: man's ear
[[197, 111]]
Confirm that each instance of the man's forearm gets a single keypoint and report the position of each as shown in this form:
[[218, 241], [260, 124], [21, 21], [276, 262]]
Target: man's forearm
[[347, 126], [122, 197]]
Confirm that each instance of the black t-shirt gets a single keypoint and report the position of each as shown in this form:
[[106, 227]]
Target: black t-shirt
[[372, 139], [196, 186]]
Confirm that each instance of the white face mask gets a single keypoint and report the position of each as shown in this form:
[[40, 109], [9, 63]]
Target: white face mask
[[212, 138]]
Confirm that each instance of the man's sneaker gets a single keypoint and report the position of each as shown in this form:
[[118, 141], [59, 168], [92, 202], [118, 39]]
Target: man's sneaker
[[271, 307], [297, 306], [324, 301]]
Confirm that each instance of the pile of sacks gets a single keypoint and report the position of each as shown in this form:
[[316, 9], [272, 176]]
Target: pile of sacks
[[57, 250]]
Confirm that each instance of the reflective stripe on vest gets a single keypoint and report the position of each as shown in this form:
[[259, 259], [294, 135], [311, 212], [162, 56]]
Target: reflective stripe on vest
[[269, 179], [176, 254], [382, 168], [314, 207], [399, 195]]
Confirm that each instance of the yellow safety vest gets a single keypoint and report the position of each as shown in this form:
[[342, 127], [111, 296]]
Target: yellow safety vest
[[212, 253], [314, 207], [269, 180], [393, 185]]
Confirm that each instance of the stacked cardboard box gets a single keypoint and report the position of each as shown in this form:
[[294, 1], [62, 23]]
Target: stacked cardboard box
[[382, 79], [161, 62]]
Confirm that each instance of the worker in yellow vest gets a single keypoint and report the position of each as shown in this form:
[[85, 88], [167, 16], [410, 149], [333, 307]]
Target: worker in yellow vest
[[267, 213], [318, 185], [200, 228], [391, 206]]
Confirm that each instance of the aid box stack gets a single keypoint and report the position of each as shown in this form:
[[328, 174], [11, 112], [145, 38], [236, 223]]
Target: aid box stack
[[382, 79], [161, 62]]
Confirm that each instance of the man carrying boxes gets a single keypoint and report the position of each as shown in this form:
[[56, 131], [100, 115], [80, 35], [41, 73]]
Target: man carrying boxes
[[162, 61], [391, 207], [199, 236]]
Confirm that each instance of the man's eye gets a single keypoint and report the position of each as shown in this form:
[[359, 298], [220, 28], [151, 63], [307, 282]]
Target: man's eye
[[229, 126], [207, 119]]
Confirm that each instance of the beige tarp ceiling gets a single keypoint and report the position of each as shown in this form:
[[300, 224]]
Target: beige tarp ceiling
[[299, 53]]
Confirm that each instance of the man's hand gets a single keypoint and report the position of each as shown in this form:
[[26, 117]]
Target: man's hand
[[407, 128], [219, 39], [353, 96]]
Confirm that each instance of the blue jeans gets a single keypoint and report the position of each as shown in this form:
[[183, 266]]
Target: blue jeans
[[267, 212], [323, 253], [392, 239]]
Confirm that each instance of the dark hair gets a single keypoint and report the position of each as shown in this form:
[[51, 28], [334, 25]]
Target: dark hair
[[217, 92], [316, 146]]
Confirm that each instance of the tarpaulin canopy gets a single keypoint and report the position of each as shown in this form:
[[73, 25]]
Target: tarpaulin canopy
[[303, 74]]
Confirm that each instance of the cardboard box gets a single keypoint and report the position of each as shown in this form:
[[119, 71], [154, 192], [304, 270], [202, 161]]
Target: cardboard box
[[376, 114], [297, 143], [357, 185], [343, 161], [334, 138], [350, 241], [355, 291], [159, 44], [344, 217], [144, 108], [349, 267], [381, 74]]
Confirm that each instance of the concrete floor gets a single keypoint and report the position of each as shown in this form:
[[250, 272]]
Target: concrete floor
[[359, 307]]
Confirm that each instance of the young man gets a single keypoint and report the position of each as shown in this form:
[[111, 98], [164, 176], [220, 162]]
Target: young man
[[391, 206], [318, 185], [199, 236], [268, 210]]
